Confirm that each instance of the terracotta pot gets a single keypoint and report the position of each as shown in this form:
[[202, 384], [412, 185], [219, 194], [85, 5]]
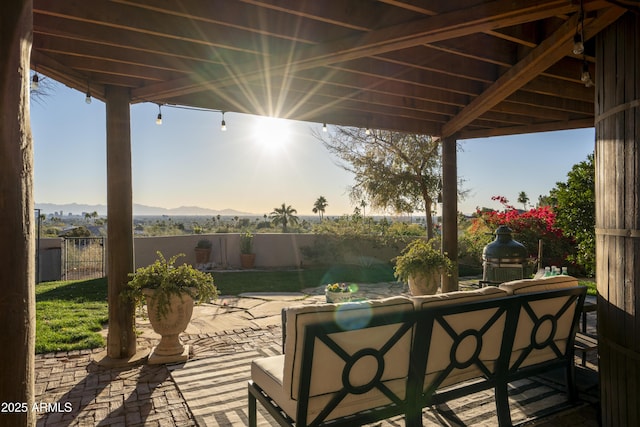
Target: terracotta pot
[[170, 326], [203, 255], [424, 284], [247, 260]]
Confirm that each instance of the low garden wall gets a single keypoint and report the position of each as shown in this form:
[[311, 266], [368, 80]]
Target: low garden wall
[[276, 250], [273, 251]]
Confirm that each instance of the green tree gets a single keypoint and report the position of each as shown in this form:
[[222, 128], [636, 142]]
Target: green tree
[[576, 213], [284, 216], [524, 199], [392, 170], [320, 206]]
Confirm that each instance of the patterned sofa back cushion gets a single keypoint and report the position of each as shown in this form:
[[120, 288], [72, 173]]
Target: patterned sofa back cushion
[[326, 378], [547, 320], [471, 338]]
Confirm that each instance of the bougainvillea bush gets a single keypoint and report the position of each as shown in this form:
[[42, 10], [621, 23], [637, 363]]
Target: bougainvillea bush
[[528, 228]]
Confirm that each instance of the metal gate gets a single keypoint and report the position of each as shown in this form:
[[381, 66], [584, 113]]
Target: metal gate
[[83, 258]]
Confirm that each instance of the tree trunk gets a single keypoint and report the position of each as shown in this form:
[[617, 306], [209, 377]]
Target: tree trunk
[[618, 219], [427, 216], [17, 276]]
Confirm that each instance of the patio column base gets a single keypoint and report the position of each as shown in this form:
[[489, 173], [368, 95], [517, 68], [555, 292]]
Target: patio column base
[[156, 359], [103, 359]]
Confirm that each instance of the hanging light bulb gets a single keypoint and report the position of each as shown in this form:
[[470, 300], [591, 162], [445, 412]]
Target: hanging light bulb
[[367, 131], [35, 81], [585, 77], [87, 98], [324, 127], [159, 118], [578, 44], [223, 125]]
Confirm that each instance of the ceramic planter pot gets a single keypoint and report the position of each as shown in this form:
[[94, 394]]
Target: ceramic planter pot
[[424, 283], [169, 327], [247, 260], [333, 297], [203, 255]]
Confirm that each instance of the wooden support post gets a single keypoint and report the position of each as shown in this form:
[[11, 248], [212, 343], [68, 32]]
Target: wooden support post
[[617, 164], [450, 210], [121, 339], [17, 251]]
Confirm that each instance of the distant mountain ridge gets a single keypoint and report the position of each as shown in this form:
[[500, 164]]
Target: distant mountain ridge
[[79, 209]]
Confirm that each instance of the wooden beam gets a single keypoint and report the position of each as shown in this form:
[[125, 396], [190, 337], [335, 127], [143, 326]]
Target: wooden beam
[[535, 128], [496, 14], [104, 37], [59, 72], [547, 53]]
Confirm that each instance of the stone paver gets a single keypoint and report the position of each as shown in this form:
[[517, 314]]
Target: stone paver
[[72, 390]]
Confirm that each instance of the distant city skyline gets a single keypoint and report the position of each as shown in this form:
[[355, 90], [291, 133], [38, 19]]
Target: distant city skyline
[[258, 163]]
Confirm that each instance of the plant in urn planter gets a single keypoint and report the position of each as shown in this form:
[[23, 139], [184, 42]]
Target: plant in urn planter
[[421, 265], [247, 257], [169, 292]]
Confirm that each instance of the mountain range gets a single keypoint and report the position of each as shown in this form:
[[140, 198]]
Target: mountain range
[[80, 209]]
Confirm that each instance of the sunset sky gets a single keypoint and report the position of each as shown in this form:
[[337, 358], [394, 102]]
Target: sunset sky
[[258, 163]]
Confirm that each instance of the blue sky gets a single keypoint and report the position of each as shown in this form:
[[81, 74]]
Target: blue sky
[[258, 163]]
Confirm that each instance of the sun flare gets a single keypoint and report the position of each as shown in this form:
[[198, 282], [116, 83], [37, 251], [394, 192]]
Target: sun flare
[[271, 134]]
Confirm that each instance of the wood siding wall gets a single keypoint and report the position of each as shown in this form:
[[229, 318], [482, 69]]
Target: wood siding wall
[[618, 219]]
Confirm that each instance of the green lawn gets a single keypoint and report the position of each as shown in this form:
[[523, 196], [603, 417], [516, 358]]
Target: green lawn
[[234, 283], [70, 315]]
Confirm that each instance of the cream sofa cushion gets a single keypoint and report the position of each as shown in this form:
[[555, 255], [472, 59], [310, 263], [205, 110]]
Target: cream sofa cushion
[[527, 321], [440, 348], [280, 375], [267, 372], [524, 286]]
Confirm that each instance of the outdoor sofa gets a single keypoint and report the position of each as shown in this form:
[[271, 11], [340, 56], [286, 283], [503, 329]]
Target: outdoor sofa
[[356, 363]]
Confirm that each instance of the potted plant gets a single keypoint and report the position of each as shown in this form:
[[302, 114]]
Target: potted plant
[[340, 292], [247, 257], [169, 292], [421, 265], [203, 251]]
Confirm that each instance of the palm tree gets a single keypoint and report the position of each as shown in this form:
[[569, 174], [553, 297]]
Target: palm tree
[[363, 205], [284, 215], [524, 199], [319, 206]]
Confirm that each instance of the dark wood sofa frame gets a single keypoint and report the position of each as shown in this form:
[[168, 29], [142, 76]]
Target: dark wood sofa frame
[[421, 324]]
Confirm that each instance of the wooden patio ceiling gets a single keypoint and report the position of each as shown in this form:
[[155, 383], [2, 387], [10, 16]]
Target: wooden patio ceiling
[[472, 68]]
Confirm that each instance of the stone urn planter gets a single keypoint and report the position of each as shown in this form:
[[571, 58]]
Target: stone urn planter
[[421, 265], [424, 284], [169, 292], [169, 326]]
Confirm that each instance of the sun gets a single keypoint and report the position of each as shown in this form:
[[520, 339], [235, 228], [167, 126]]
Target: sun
[[271, 134]]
